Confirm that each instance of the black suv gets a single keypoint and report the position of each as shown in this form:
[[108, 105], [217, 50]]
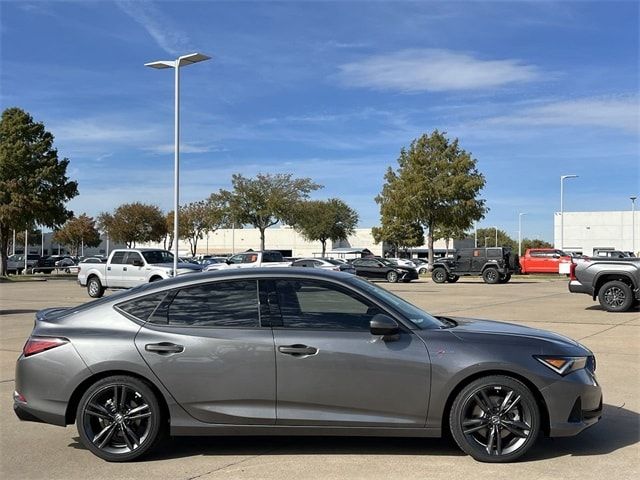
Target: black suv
[[495, 265]]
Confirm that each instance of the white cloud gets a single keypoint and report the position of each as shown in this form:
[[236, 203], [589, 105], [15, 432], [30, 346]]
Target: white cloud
[[434, 70], [157, 25], [621, 113]]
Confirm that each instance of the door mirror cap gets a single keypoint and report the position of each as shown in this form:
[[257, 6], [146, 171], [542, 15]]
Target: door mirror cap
[[382, 324]]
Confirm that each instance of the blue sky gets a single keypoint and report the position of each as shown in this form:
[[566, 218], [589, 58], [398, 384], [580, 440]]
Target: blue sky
[[333, 90]]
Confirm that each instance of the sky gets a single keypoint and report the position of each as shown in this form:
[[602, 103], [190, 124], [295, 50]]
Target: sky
[[333, 91]]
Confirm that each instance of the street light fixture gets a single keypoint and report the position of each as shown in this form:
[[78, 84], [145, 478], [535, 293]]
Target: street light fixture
[[520, 215], [562, 179], [176, 64], [633, 223]]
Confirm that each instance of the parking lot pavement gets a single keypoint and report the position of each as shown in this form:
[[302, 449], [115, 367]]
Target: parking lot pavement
[[610, 449]]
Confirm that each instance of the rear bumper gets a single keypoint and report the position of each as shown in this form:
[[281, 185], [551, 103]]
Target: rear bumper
[[576, 287]]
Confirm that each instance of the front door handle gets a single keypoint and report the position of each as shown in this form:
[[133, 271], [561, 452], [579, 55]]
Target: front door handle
[[297, 350], [164, 348]]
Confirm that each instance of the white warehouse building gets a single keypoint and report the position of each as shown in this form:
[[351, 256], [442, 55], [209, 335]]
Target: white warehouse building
[[585, 232]]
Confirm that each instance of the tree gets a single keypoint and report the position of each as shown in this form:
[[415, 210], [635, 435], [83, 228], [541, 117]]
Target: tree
[[447, 233], [319, 220], [534, 243], [487, 238], [436, 185], [78, 231], [267, 199], [34, 186], [398, 234], [199, 218], [131, 223]]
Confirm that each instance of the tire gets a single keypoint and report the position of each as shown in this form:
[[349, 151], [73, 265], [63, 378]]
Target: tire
[[615, 296], [155, 279], [439, 275], [491, 276], [505, 278], [423, 270], [106, 424], [392, 276], [504, 434], [453, 278], [95, 288]]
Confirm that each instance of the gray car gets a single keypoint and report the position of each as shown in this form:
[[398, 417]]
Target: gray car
[[296, 351]]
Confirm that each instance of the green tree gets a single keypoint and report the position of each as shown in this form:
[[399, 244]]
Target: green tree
[[534, 243], [436, 185], [133, 223], [322, 220], [267, 199], [198, 219], [487, 238], [78, 231], [34, 186], [398, 234]]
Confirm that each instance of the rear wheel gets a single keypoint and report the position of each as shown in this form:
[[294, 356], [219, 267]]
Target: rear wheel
[[119, 419], [491, 276], [495, 419], [453, 278], [505, 278], [615, 296], [392, 276], [439, 275], [95, 288]]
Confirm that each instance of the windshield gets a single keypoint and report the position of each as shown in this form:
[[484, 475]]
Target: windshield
[[158, 256], [418, 317]]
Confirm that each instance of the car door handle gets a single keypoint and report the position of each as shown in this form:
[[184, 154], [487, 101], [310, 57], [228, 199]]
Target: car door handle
[[297, 350], [164, 348], [124, 269]]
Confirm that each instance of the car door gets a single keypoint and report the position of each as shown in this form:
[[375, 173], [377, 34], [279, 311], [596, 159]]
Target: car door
[[133, 275], [115, 269], [331, 371], [206, 345]]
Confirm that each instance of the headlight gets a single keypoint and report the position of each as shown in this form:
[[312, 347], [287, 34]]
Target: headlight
[[562, 365]]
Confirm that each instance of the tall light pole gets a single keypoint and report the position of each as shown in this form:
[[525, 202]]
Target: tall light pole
[[562, 179], [520, 215], [496, 236], [633, 223], [475, 234], [176, 64]]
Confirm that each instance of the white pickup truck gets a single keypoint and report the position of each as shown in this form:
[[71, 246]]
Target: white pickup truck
[[130, 267], [251, 259]]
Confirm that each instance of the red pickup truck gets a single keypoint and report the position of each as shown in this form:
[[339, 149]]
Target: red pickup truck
[[544, 260]]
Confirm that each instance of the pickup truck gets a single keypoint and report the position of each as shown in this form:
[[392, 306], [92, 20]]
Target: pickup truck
[[614, 282], [545, 260], [128, 268], [251, 259]]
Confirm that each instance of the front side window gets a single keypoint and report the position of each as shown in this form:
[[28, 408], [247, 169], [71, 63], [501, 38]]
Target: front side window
[[158, 256], [219, 304], [132, 257], [250, 258], [322, 306]]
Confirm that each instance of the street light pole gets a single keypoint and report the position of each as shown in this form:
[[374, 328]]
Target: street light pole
[[633, 223], [475, 234], [176, 64], [562, 179], [520, 215], [496, 236]]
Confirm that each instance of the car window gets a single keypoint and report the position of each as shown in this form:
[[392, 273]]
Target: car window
[[272, 257], [236, 259], [250, 258], [322, 306], [537, 253], [118, 258], [158, 256], [494, 252], [219, 304], [142, 307], [132, 257]]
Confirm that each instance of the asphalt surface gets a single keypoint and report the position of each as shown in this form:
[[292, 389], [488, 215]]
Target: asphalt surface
[[608, 450]]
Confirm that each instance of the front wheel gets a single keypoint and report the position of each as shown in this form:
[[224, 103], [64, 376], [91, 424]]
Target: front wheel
[[439, 275], [392, 277], [119, 419], [495, 419], [615, 296], [491, 276], [95, 288]]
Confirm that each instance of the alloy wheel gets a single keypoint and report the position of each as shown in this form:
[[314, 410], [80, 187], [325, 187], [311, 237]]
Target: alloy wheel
[[614, 296]]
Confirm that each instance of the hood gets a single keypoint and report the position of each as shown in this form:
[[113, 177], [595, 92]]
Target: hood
[[488, 327]]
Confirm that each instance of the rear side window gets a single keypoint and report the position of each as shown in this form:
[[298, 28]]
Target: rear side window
[[494, 252], [118, 257], [142, 307], [219, 304]]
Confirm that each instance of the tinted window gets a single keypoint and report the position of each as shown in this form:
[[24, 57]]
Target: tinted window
[[322, 306], [132, 257], [158, 256], [118, 257], [142, 307], [272, 257], [494, 252], [220, 304], [537, 253]]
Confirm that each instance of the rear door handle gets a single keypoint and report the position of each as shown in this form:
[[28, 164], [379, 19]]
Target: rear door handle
[[297, 350], [164, 348]]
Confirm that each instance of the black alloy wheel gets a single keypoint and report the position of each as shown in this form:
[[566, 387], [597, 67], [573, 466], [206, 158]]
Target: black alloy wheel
[[439, 275], [491, 276], [495, 419], [505, 278], [615, 296], [119, 419]]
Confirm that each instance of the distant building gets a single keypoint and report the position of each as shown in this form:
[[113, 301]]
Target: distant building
[[585, 232]]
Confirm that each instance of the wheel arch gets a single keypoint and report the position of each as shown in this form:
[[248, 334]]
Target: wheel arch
[[74, 400], [605, 277], [542, 405]]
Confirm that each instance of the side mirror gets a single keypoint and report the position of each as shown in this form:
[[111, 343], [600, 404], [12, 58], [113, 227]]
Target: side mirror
[[382, 324], [555, 255], [138, 263]]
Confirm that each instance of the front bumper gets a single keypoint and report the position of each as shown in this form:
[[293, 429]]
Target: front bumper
[[576, 287], [574, 403], [408, 275]]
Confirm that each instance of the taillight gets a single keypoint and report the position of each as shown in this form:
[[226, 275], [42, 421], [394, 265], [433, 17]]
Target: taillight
[[40, 344], [572, 271]]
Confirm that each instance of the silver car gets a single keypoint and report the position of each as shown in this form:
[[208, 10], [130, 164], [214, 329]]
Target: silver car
[[296, 351]]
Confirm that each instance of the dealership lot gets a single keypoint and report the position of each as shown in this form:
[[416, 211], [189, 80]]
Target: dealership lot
[[29, 450]]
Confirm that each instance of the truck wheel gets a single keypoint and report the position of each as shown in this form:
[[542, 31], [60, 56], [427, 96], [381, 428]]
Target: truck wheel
[[505, 278], [615, 296], [453, 278], [491, 276], [439, 275], [95, 288], [392, 277]]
